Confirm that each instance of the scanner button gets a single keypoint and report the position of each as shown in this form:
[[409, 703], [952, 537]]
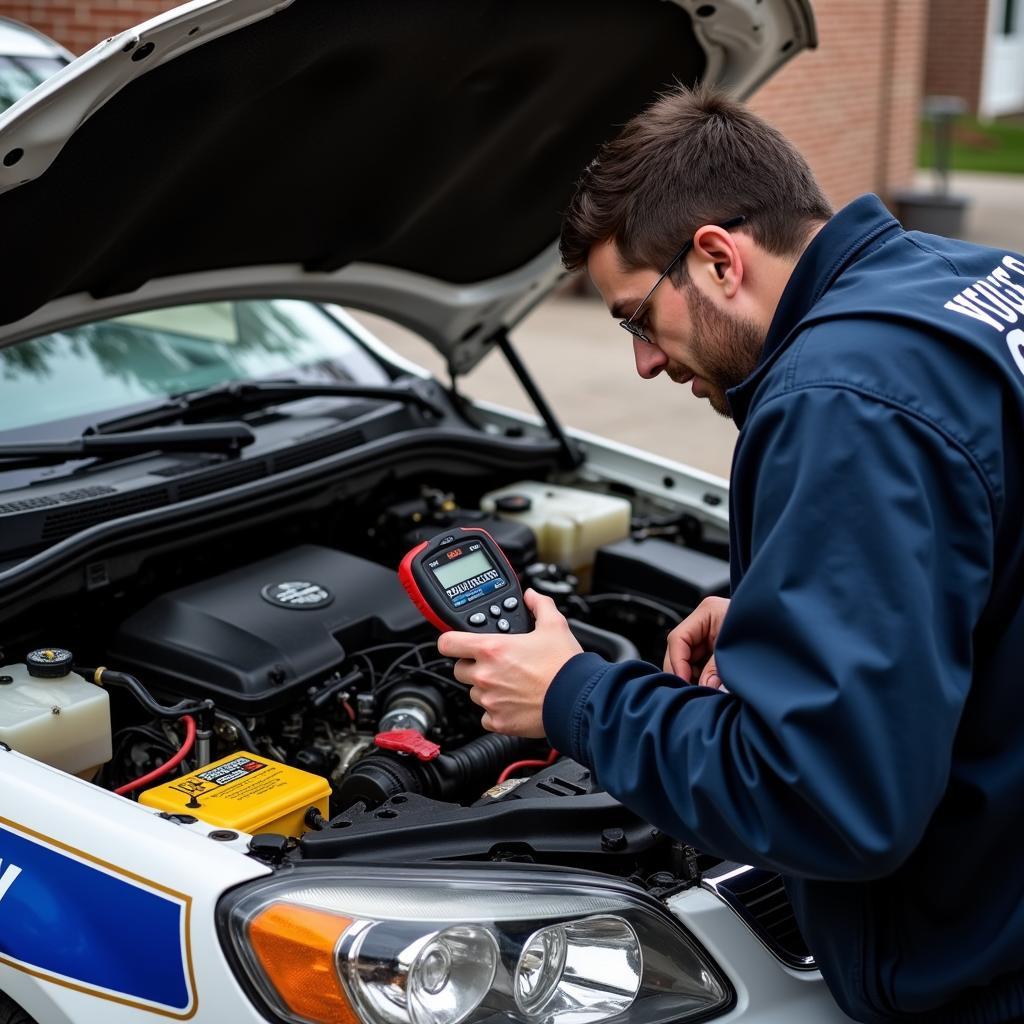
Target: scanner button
[[510, 604], [494, 610], [477, 619], [503, 625]]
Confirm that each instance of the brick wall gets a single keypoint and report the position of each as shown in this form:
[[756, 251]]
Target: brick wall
[[851, 105], [80, 24], [956, 49]]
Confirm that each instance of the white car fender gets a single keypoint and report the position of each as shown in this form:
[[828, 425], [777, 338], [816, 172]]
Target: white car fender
[[107, 909]]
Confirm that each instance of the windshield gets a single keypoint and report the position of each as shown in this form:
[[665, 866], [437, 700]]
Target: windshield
[[19, 75], [132, 360]]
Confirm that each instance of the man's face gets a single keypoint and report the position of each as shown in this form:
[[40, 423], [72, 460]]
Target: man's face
[[693, 340]]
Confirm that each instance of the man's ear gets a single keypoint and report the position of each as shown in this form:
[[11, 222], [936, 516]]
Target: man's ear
[[716, 256]]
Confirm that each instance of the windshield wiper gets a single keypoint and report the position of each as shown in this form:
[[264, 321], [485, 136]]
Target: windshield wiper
[[221, 437], [194, 405]]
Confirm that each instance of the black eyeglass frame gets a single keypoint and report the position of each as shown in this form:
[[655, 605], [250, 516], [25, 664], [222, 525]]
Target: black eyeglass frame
[[630, 325]]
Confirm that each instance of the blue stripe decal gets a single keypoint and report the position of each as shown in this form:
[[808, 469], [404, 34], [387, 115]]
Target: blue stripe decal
[[61, 916]]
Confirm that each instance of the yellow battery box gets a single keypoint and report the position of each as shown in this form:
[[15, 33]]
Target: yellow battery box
[[246, 792]]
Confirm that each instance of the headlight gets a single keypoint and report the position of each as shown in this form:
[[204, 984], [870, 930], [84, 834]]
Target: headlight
[[464, 946]]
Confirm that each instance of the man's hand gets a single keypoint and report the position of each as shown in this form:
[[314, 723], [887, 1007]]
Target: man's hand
[[509, 676], [692, 643]]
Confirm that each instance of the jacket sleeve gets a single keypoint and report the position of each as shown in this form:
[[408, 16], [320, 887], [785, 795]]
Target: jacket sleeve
[[847, 651]]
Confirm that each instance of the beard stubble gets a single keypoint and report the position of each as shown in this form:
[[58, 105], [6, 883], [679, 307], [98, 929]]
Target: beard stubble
[[727, 348]]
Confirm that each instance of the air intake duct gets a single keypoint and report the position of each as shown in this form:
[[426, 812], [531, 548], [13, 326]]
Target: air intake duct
[[460, 774]]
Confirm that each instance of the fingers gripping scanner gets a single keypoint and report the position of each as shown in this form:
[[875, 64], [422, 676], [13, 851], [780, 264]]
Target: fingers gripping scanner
[[462, 580]]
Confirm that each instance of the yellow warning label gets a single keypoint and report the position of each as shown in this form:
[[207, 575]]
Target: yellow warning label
[[221, 778], [244, 792]]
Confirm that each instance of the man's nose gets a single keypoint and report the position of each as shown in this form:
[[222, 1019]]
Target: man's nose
[[650, 360]]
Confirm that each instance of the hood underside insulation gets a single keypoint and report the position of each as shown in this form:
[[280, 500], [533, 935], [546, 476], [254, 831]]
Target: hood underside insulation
[[442, 138]]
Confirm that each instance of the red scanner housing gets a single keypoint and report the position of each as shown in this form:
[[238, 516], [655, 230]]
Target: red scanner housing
[[462, 580]]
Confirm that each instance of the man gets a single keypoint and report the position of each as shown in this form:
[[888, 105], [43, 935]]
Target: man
[[866, 739]]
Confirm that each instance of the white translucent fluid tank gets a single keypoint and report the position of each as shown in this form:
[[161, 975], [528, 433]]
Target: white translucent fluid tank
[[64, 722], [570, 524]]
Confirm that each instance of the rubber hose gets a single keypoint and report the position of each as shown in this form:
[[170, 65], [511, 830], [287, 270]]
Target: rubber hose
[[463, 772], [611, 646], [108, 677], [468, 770]]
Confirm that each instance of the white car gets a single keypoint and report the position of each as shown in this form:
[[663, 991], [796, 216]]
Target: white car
[[27, 58], [275, 803]]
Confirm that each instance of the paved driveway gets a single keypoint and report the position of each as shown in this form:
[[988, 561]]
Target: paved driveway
[[583, 363]]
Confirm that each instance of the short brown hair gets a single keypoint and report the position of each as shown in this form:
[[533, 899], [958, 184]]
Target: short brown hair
[[693, 157]]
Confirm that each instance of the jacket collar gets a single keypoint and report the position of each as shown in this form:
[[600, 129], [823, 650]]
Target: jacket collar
[[850, 234]]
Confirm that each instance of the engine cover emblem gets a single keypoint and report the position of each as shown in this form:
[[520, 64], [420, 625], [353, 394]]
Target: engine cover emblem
[[297, 594]]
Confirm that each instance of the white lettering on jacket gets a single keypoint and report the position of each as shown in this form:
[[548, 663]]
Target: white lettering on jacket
[[1015, 340], [997, 300], [1012, 293], [967, 303]]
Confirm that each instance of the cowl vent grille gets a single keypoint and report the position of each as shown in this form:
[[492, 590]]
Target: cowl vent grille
[[52, 500], [219, 481], [62, 524], [88, 506], [310, 451], [80, 493], [27, 504]]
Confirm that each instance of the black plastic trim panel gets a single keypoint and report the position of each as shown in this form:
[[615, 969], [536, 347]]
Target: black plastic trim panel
[[462, 452], [759, 898]]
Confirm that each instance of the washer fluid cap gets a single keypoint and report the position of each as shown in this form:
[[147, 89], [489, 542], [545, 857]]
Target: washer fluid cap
[[514, 503], [49, 662]]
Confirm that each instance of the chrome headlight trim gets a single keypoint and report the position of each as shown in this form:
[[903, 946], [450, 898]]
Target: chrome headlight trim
[[530, 896]]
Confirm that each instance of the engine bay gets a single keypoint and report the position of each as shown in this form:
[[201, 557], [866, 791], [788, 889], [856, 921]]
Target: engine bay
[[247, 677]]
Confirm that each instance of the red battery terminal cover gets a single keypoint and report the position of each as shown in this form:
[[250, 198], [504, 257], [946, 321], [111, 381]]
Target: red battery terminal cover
[[408, 741]]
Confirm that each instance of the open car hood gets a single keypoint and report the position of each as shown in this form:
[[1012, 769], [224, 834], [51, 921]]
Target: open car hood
[[408, 158]]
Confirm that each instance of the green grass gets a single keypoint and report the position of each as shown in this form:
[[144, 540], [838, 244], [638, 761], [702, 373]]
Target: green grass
[[991, 146]]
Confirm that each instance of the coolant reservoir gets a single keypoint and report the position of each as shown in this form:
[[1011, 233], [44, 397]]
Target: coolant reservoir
[[49, 713], [570, 524]]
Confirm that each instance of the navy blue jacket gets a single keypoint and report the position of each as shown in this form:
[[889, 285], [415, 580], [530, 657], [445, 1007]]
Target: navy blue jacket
[[871, 747]]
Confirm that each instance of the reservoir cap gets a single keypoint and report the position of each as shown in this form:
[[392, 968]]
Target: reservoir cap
[[49, 662], [514, 503]]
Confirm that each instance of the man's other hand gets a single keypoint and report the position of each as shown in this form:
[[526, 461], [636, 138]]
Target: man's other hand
[[692, 643], [509, 676]]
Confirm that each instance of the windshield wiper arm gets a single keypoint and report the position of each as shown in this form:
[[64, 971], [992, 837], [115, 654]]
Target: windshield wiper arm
[[220, 437], [255, 395]]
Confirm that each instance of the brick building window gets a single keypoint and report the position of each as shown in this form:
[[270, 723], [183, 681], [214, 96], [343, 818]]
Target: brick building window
[[1010, 10]]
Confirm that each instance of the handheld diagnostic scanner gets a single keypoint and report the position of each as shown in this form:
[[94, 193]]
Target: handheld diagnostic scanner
[[462, 580]]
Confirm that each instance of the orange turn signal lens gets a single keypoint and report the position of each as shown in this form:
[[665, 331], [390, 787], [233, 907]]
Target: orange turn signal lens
[[295, 947]]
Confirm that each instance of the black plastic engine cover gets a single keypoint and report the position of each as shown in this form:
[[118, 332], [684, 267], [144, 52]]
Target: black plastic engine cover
[[251, 638], [660, 570]]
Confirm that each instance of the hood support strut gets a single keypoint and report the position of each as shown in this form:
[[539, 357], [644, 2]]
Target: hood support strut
[[571, 456]]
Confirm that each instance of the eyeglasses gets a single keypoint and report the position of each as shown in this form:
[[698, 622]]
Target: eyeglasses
[[637, 329]]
